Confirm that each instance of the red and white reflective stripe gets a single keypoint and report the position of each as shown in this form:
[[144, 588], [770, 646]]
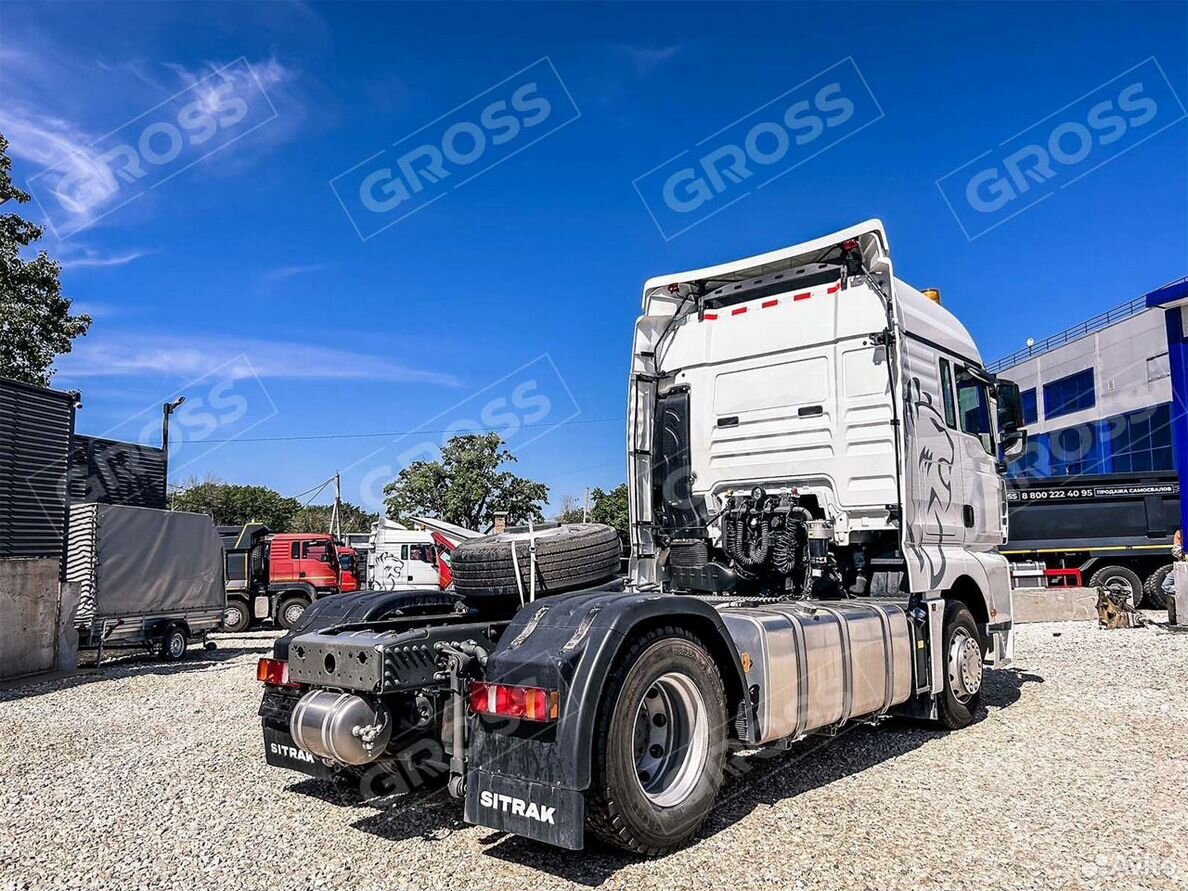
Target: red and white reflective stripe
[[771, 304]]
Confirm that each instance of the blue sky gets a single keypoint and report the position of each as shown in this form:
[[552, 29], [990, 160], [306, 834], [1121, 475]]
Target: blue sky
[[241, 280]]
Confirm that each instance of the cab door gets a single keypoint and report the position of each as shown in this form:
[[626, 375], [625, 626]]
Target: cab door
[[933, 465], [981, 510], [422, 565]]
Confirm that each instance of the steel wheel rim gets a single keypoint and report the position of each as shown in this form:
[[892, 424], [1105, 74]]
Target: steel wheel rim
[[232, 615], [1119, 585], [965, 666], [670, 740], [293, 613], [177, 644]]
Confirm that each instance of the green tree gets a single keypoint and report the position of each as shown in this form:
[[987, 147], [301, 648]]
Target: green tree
[[611, 508], [571, 510], [233, 505], [316, 518], [466, 486], [35, 320]]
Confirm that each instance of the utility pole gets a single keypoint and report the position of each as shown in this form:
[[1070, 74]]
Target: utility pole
[[586, 507], [336, 511], [167, 409]]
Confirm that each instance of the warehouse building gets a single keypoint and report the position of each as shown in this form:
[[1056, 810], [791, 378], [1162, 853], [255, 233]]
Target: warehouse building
[[1096, 397]]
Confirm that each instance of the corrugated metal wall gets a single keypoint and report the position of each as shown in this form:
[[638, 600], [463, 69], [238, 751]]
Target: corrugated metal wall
[[104, 471], [36, 426]]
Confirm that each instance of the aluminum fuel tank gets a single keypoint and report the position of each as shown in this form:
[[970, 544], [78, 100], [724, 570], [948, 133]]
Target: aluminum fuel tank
[[819, 664]]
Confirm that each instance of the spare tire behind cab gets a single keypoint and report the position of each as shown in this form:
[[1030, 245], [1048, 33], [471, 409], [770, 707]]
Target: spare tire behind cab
[[575, 555]]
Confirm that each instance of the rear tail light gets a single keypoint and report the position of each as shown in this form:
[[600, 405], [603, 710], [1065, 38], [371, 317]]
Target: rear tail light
[[526, 703], [274, 672]]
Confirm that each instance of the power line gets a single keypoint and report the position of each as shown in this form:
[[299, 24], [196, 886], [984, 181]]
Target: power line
[[310, 436]]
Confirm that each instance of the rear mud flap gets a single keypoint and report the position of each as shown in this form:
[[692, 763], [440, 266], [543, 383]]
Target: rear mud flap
[[281, 751], [534, 810]]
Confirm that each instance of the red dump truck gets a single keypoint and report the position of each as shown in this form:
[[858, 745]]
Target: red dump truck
[[276, 576]]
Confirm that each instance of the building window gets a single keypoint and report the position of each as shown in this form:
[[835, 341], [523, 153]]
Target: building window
[[1069, 394], [1140, 441], [1134, 442], [1158, 367], [1030, 410]]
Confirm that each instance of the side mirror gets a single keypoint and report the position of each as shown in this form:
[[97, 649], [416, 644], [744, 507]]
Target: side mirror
[[1014, 443], [1010, 408]]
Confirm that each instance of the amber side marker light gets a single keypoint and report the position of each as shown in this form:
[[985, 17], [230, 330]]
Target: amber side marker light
[[932, 294], [504, 701]]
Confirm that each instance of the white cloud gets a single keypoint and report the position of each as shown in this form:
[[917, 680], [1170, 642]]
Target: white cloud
[[281, 273], [44, 124], [647, 59], [84, 257], [175, 357]]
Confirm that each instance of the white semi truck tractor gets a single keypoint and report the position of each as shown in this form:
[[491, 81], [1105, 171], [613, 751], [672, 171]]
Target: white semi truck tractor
[[815, 454]]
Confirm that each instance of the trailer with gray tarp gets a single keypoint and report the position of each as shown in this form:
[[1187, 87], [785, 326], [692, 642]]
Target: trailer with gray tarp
[[148, 578]]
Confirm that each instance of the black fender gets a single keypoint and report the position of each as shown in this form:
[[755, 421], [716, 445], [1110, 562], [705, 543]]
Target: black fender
[[570, 643], [366, 606]]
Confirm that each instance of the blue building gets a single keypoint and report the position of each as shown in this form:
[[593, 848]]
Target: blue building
[[1097, 398]]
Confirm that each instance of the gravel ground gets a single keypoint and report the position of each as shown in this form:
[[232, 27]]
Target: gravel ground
[[1075, 776]]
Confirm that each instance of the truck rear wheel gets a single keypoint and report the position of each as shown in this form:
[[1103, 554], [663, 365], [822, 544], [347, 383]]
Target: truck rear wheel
[[962, 655], [1153, 596], [289, 613], [236, 617], [1119, 580], [660, 745]]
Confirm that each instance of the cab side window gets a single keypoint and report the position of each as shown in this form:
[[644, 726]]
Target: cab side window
[[973, 408], [946, 382]]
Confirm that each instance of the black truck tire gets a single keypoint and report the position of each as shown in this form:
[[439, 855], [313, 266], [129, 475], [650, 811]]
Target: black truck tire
[[571, 556], [1121, 580], [290, 610], [1153, 596], [237, 617], [174, 643], [660, 745], [962, 655]]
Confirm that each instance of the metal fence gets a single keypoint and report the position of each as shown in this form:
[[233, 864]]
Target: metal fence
[[1097, 323], [105, 471], [36, 426]]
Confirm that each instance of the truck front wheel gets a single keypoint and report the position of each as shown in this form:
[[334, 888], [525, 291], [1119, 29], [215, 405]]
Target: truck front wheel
[[660, 745], [962, 655]]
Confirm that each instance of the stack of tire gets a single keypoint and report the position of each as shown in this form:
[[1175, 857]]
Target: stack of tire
[[567, 557]]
